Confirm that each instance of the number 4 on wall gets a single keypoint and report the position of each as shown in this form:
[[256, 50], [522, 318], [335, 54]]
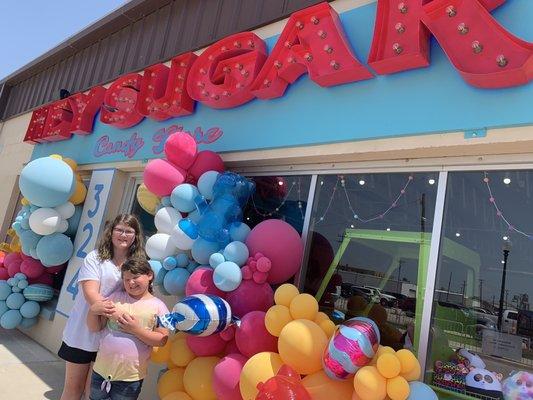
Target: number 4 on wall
[[73, 285]]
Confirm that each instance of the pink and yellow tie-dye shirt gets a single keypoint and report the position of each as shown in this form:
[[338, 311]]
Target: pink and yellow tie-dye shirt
[[121, 356]]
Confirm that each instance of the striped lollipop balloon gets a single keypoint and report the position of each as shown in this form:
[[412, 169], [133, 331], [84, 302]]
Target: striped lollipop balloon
[[200, 315], [352, 346]]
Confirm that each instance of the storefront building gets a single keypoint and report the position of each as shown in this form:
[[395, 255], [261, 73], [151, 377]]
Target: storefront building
[[410, 189]]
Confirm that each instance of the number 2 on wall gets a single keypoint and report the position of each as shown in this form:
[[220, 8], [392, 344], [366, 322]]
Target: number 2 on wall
[[81, 253]]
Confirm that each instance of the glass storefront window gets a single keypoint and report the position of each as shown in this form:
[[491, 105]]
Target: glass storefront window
[[481, 310], [369, 243], [146, 219]]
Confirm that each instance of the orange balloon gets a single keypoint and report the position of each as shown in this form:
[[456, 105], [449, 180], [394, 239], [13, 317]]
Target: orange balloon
[[320, 387], [198, 378], [170, 381], [161, 355], [369, 384]]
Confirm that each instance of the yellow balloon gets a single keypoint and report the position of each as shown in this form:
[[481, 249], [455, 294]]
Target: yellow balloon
[[328, 327], [381, 350], [170, 364], [171, 381], [321, 316], [24, 201], [304, 306], [79, 193], [198, 380], [398, 388], [147, 200], [285, 293], [320, 387], [388, 365], [301, 345], [276, 318], [409, 364], [180, 354], [56, 156], [369, 384], [161, 355], [71, 163], [259, 368], [177, 396]]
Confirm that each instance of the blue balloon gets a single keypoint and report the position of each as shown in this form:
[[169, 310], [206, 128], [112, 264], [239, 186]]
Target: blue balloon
[[27, 323], [12, 282], [16, 289], [421, 391], [193, 265], [10, 319], [33, 253], [159, 271], [236, 252], [206, 183], [182, 260], [15, 300], [54, 249], [165, 201], [5, 290], [194, 216], [170, 263], [161, 288], [33, 207], [19, 276], [30, 309], [239, 231], [3, 307], [17, 227], [175, 281], [227, 276], [216, 259], [29, 240], [202, 250], [47, 182], [182, 197], [74, 221], [23, 284], [25, 223]]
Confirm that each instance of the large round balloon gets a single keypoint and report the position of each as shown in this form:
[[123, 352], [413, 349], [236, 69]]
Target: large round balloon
[[171, 381], [54, 249], [45, 221], [166, 219], [352, 346], [250, 296], [147, 200], [159, 246], [198, 378], [206, 346], [226, 377], [175, 281], [421, 391], [257, 369], [47, 182], [205, 161], [201, 282], [252, 336], [161, 177], [181, 149], [281, 243], [320, 387]]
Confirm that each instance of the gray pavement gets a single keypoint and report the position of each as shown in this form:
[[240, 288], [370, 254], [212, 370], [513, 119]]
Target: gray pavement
[[28, 371]]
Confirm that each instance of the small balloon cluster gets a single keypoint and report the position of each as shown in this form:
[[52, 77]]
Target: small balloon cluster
[[19, 301], [53, 192]]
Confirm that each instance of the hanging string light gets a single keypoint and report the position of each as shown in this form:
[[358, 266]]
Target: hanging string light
[[276, 210]]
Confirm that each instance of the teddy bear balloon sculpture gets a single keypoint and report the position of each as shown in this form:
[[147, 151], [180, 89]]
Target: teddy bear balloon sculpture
[[230, 193]]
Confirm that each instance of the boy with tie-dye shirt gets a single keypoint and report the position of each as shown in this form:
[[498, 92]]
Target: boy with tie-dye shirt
[[128, 336]]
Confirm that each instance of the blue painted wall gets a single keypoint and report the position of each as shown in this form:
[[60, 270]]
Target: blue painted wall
[[417, 102]]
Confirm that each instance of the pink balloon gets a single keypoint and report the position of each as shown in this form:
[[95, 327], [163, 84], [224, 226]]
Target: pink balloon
[[10, 257], [161, 177], [281, 243], [4, 275], [226, 377], [31, 268], [206, 346], [44, 278], [252, 336], [14, 267], [231, 348], [201, 282], [205, 161], [180, 149], [250, 296]]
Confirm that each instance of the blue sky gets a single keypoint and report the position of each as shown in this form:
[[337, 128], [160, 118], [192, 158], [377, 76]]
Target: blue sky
[[29, 28]]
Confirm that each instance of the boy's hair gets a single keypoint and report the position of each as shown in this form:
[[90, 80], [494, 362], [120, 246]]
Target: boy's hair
[[139, 266]]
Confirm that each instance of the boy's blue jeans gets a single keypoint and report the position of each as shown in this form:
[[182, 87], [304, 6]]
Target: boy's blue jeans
[[119, 390]]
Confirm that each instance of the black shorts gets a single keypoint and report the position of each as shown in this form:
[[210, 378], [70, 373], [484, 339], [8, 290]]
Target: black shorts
[[76, 356]]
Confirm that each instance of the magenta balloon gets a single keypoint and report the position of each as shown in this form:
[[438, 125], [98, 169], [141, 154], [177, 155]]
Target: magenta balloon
[[44, 278], [4, 275], [226, 377], [281, 243], [14, 267], [201, 282], [31, 268], [250, 296], [252, 336], [56, 269], [231, 348], [205, 161], [10, 257], [180, 149], [161, 177], [206, 346]]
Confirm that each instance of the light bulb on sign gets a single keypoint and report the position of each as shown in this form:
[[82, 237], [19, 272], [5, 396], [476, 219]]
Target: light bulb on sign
[[457, 234], [507, 181], [431, 181], [362, 182]]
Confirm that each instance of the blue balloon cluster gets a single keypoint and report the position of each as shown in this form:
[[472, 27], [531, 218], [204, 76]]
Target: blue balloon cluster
[[16, 310], [171, 275]]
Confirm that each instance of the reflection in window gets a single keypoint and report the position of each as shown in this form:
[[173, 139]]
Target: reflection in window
[[481, 311], [278, 197], [369, 247]]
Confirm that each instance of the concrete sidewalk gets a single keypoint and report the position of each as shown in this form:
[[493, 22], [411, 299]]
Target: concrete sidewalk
[[28, 371]]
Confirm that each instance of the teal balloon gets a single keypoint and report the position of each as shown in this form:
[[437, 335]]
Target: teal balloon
[[23, 284], [16, 289], [29, 240], [216, 259], [165, 201], [33, 207], [19, 276], [15, 300], [170, 263], [192, 266], [3, 307], [25, 223], [206, 183], [227, 276], [17, 227], [421, 391], [159, 271], [47, 182], [183, 196], [236, 252], [54, 249], [10, 319], [27, 323], [5, 290], [74, 221], [30, 309], [175, 281], [202, 250], [239, 231], [182, 260]]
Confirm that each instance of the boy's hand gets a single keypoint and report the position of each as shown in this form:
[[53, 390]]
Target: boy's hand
[[103, 307], [128, 323]]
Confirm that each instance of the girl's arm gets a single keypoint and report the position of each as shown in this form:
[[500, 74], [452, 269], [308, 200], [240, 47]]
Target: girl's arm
[[95, 322], [156, 338], [98, 304]]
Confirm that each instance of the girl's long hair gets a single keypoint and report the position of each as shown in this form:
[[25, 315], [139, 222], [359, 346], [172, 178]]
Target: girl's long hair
[[105, 245]]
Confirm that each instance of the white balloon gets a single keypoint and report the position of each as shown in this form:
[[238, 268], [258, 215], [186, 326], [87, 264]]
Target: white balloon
[[63, 226], [159, 246], [66, 210], [45, 221], [206, 182], [180, 239], [166, 219]]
